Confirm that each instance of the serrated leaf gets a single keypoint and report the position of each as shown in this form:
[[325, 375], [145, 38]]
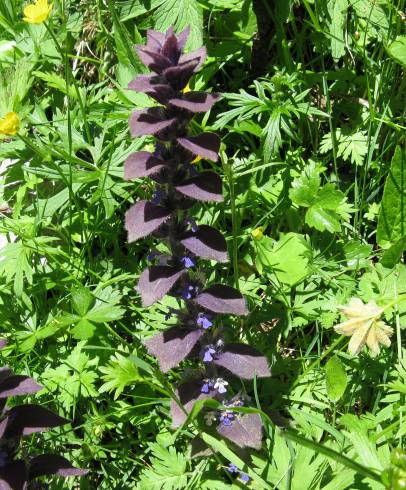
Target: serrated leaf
[[336, 379], [82, 299], [181, 13], [322, 219]]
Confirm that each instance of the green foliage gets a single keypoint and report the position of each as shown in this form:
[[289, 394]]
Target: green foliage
[[312, 125]]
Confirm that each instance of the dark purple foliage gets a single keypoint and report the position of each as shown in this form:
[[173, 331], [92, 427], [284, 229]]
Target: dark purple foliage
[[245, 430], [179, 185], [22, 420], [243, 361], [173, 345]]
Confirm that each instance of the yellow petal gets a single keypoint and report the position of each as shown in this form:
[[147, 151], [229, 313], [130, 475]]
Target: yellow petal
[[186, 89], [10, 124], [258, 233], [357, 341], [38, 12], [197, 159]]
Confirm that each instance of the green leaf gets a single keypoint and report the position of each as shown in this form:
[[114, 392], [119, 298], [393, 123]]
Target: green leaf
[[392, 212], [181, 13], [322, 219], [338, 9], [82, 299], [118, 373], [393, 255], [336, 379], [397, 50], [305, 188], [83, 330], [287, 258]]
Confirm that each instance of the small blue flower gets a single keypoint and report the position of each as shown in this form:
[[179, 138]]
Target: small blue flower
[[188, 291], [226, 418], [232, 468], [208, 352], [203, 321], [187, 262], [244, 477], [220, 385], [193, 224], [152, 256], [207, 385]]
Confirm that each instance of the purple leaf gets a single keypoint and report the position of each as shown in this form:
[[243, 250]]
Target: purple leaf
[[5, 372], [156, 281], [178, 76], [207, 186], [170, 48], [172, 346], [155, 39], [245, 430], [207, 243], [206, 145], [195, 101], [149, 121], [18, 385], [14, 476], [141, 164], [52, 464], [27, 419], [199, 55], [182, 37], [222, 299], [145, 83], [243, 361], [153, 59], [143, 218], [188, 393]]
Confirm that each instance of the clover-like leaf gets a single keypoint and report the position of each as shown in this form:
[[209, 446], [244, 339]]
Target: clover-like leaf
[[207, 243], [156, 281], [207, 186], [172, 346], [206, 145], [222, 299], [243, 361], [245, 431], [143, 218]]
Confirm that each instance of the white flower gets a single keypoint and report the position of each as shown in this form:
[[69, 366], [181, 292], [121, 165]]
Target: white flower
[[364, 326], [220, 385]]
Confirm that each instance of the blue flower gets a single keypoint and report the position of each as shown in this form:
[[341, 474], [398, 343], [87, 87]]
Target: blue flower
[[187, 262], [244, 477], [232, 468], [193, 224], [208, 352], [207, 385], [226, 418], [158, 196], [203, 321]]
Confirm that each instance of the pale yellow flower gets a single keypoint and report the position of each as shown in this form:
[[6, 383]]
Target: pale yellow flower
[[186, 89], [364, 326], [38, 12], [258, 233], [9, 124]]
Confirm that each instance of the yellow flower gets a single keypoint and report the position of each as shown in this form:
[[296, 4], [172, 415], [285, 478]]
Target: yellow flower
[[364, 326], [258, 233], [38, 12], [197, 159], [186, 89], [9, 124]]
